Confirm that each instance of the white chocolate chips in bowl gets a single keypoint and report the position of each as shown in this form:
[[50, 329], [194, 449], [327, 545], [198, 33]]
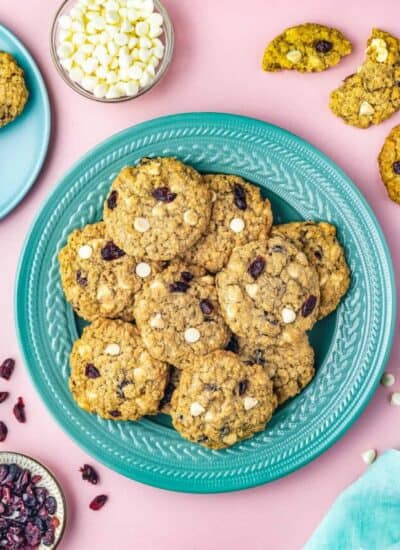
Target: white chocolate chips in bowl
[[112, 50]]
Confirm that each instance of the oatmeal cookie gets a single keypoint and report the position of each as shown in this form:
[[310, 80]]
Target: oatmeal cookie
[[267, 286], [98, 278], [113, 375], [221, 401], [371, 95], [319, 243], [389, 164], [179, 317], [158, 209], [239, 215], [306, 48], [13, 91]]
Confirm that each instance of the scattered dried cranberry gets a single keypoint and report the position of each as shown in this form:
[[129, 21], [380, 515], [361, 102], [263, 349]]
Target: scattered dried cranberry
[[3, 396], [396, 167], [164, 194], [111, 252], [80, 279], [98, 502], [186, 276], [49, 536], [243, 385], [36, 478], [112, 200], [6, 368], [89, 474], [206, 307], [178, 286], [308, 306], [323, 46], [3, 431], [239, 196], [233, 344], [51, 505], [115, 413], [19, 410], [91, 371], [256, 267]]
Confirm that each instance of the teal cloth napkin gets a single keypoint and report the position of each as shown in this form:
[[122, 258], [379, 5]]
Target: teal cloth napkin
[[366, 516]]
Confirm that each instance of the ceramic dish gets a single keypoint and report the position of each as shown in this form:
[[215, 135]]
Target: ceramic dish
[[48, 481], [352, 345], [20, 166]]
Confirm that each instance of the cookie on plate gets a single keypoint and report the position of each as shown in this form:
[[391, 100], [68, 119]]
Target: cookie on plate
[[371, 95], [306, 48], [98, 278], [179, 317], [221, 401], [173, 381], [319, 243], [13, 91], [112, 373], [239, 215], [266, 287], [389, 164], [158, 209], [290, 366]]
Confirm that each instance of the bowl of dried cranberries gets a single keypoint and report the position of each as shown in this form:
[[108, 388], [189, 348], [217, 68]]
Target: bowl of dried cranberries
[[32, 504]]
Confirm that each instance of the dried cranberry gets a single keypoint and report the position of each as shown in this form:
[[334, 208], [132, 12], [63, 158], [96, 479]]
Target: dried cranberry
[[41, 494], [243, 385], [91, 371], [32, 534], [111, 252], [3, 472], [318, 254], [19, 410], [186, 276], [256, 267], [115, 413], [164, 194], [3, 396], [89, 474], [112, 200], [239, 196], [3, 431], [323, 46], [178, 286], [29, 500], [80, 279], [54, 522], [98, 502], [308, 306], [14, 472], [396, 167], [6, 368], [36, 478], [51, 505], [233, 344], [49, 536], [206, 307]]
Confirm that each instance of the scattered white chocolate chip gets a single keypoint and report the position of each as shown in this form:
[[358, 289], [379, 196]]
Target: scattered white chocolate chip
[[141, 224], [156, 321], [387, 379], [190, 217], [252, 290], [288, 315], [380, 47], [237, 225], [395, 399], [366, 109], [209, 416], [112, 349], [157, 285], [369, 456], [294, 56], [85, 251], [143, 270], [249, 403], [196, 409], [192, 335]]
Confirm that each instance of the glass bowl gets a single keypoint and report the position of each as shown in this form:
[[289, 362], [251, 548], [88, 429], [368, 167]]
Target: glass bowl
[[167, 38]]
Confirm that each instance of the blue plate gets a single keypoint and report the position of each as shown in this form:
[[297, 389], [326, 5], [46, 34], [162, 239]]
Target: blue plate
[[23, 142]]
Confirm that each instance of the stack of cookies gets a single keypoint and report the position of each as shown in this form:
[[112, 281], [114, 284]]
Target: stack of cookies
[[198, 306]]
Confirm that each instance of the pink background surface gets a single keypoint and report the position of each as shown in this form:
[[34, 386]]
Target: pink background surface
[[216, 67]]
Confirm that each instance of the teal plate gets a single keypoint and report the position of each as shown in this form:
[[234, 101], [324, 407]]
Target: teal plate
[[23, 142], [352, 345]]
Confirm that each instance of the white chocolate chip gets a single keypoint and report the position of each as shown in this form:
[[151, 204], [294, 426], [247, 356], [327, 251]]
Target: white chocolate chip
[[230, 439], [387, 379], [143, 270], [196, 409], [156, 321], [380, 47], [366, 109], [104, 293], [294, 56], [85, 252], [252, 290], [112, 349], [91, 395], [249, 403], [231, 311], [139, 374], [293, 270], [369, 456], [192, 335], [157, 285], [213, 196], [209, 416], [288, 315], [395, 399], [190, 217], [237, 225], [141, 224]]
